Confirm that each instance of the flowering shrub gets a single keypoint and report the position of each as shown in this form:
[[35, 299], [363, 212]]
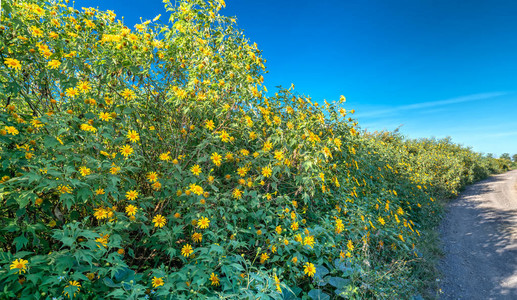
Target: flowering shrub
[[148, 162]]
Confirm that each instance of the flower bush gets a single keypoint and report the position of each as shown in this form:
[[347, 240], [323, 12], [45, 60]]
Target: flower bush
[[149, 162]]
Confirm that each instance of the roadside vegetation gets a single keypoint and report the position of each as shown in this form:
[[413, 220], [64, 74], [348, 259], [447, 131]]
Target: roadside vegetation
[[148, 162]]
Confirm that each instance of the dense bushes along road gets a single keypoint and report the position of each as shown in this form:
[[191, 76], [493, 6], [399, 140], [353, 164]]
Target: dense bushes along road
[[148, 162]]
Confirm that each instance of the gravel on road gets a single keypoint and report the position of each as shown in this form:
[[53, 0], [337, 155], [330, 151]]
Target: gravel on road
[[479, 240]]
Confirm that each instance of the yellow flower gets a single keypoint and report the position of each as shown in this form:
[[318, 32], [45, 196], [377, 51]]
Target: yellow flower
[[53, 64], [11, 130], [186, 250], [103, 240], [64, 189], [216, 158], [99, 191], [89, 23], [267, 172], [381, 220], [114, 169], [263, 257], [278, 229], [209, 124], [242, 171], [197, 237], [309, 241], [196, 170], [131, 210], [249, 121], [126, 150], [165, 156], [36, 31], [157, 281], [128, 94], [46, 52], [203, 223], [13, 63], [71, 54], [71, 92], [224, 136], [152, 176], [327, 152], [196, 189], [295, 260], [100, 213], [237, 194], [294, 226], [37, 123], [214, 279], [181, 93], [85, 171], [20, 264], [88, 127], [84, 86], [267, 146], [279, 155], [350, 246], [133, 136], [338, 143], [229, 156], [73, 283], [277, 284], [322, 176], [132, 195], [309, 269], [339, 226], [159, 221]]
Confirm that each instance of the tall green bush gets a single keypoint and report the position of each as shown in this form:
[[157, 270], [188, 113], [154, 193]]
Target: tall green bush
[[148, 162]]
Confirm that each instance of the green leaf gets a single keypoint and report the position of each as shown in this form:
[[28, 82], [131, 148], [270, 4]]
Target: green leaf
[[26, 198], [338, 282], [20, 242], [34, 278], [318, 294], [84, 193]]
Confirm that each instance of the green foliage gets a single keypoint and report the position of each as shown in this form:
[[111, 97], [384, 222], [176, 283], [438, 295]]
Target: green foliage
[[149, 163], [505, 156]]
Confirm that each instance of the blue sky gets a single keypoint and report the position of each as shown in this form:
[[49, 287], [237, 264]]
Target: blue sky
[[435, 67]]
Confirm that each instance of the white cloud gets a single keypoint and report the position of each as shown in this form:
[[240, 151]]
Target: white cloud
[[417, 106]]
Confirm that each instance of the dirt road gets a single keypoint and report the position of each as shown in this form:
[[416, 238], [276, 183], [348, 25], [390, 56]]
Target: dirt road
[[479, 238]]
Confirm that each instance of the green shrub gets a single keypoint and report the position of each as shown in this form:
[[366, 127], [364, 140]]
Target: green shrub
[[149, 163]]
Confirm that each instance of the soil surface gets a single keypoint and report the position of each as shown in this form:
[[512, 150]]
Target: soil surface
[[479, 240]]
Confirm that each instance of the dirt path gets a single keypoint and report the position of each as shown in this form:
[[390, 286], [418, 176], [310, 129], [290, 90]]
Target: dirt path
[[479, 237]]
